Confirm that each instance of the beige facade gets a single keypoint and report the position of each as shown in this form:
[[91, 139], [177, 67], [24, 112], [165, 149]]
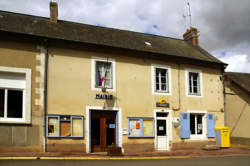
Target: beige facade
[[22, 58], [70, 93], [237, 112]]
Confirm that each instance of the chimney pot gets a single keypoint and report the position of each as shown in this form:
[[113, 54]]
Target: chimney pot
[[53, 12], [191, 35]]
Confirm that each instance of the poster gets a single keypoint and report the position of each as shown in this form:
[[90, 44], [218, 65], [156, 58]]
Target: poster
[[77, 127], [53, 126], [134, 130], [148, 128]]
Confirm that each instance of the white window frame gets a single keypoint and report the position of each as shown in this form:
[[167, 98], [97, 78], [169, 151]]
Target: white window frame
[[202, 136], [187, 71], [26, 118], [153, 70], [93, 72]]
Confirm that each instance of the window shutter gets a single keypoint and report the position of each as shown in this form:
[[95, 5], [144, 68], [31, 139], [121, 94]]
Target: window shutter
[[185, 125], [154, 78], [167, 80], [210, 126], [198, 84]]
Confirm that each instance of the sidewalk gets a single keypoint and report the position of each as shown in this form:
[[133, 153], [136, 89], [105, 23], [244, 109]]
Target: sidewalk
[[235, 150]]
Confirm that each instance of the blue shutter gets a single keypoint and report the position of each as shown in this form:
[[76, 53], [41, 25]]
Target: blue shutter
[[185, 125], [210, 126]]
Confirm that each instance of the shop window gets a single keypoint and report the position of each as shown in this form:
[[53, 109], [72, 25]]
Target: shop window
[[196, 124], [15, 89], [193, 125], [161, 79], [64, 126], [140, 127], [103, 73]]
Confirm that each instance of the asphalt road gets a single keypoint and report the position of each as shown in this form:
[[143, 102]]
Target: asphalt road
[[210, 161]]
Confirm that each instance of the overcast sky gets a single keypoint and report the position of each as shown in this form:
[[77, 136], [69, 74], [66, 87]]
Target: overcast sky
[[224, 25]]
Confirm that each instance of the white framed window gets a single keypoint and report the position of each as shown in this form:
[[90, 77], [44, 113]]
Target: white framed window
[[15, 95], [103, 73], [161, 79], [193, 83], [198, 124]]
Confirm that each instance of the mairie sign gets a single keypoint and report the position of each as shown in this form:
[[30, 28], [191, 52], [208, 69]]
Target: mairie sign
[[104, 96]]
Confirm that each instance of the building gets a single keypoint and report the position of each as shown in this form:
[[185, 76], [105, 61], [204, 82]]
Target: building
[[108, 87], [237, 94]]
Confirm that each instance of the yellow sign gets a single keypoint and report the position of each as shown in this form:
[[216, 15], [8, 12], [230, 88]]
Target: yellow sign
[[162, 101]]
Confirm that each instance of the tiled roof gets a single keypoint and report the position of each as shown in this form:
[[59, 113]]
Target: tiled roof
[[70, 31]]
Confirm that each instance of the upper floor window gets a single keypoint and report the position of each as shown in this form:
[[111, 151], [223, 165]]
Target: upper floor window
[[193, 80], [161, 79], [103, 73], [15, 89]]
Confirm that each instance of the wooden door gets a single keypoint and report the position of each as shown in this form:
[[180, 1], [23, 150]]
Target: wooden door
[[103, 130]]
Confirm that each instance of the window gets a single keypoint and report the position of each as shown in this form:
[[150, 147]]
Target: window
[[15, 93], [193, 83], [161, 79], [103, 73], [197, 125], [64, 126], [140, 127]]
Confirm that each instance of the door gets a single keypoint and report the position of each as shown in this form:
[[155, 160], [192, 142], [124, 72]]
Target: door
[[161, 131], [103, 130]]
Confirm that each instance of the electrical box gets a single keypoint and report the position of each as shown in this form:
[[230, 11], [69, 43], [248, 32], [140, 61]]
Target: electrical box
[[176, 122]]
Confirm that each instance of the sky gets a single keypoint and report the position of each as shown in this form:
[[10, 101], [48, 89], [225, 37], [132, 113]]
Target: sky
[[224, 25]]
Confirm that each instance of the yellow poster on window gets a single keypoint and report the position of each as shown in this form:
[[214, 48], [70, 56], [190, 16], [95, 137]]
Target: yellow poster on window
[[77, 127], [148, 128]]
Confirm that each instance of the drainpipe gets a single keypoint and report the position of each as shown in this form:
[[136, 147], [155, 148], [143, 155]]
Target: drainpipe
[[224, 98], [179, 90], [45, 90]]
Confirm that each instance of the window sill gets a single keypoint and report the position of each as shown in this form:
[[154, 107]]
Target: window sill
[[194, 95], [14, 121], [161, 93], [107, 89]]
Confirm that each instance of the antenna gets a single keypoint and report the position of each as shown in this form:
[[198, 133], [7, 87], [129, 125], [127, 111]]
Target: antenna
[[188, 15]]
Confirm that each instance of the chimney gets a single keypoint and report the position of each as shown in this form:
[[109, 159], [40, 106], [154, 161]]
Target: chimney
[[191, 35], [53, 11]]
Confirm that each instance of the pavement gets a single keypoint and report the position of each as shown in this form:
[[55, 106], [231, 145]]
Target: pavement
[[235, 150]]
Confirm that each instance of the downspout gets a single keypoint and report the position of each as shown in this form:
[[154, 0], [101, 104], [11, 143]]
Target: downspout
[[45, 90], [224, 97], [179, 90]]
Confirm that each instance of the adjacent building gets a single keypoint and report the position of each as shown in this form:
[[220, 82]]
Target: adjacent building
[[237, 95], [85, 88]]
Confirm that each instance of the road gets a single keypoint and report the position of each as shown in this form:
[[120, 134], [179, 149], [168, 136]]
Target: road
[[210, 161]]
